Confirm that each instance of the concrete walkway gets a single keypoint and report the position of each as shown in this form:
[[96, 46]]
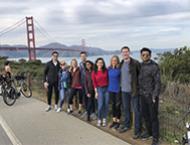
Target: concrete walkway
[[26, 123], [4, 139]]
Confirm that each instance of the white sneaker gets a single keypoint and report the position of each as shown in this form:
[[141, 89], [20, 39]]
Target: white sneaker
[[69, 111], [104, 122], [48, 109], [58, 110], [56, 107], [99, 123], [93, 116]]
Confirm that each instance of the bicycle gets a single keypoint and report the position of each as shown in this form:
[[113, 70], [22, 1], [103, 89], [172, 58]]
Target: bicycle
[[7, 91], [186, 136], [21, 86]]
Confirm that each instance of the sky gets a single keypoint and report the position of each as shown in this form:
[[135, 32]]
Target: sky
[[108, 24]]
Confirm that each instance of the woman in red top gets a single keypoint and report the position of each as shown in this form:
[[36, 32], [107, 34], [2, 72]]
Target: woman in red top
[[76, 87], [100, 82]]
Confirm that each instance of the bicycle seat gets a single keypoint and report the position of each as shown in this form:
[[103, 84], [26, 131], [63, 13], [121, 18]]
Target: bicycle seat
[[18, 78]]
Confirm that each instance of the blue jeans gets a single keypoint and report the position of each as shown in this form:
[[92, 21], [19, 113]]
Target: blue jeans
[[62, 93], [127, 101], [137, 114], [103, 102]]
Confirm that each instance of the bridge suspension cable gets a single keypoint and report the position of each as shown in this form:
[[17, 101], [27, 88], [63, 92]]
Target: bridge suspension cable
[[12, 27], [43, 31]]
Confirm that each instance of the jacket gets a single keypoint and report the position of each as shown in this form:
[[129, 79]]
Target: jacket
[[149, 79], [51, 72], [64, 79], [76, 78], [89, 88], [134, 68]]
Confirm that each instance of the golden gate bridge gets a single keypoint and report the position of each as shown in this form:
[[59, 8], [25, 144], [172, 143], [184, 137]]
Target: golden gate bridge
[[31, 48]]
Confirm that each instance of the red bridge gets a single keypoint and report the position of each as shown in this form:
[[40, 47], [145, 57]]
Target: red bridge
[[31, 40]]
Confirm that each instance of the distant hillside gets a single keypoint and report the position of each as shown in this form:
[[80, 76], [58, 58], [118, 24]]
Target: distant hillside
[[92, 51]]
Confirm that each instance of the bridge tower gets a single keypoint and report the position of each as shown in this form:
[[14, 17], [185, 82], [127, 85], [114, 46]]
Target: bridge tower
[[83, 44], [31, 38]]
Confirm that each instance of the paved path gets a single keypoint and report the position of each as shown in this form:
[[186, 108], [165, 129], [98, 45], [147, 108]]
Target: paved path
[[26, 123], [4, 139]]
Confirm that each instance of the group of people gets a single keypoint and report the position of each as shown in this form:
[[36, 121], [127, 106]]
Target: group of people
[[130, 86]]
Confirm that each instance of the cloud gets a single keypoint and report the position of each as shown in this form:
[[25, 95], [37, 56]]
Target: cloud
[[105, 23]]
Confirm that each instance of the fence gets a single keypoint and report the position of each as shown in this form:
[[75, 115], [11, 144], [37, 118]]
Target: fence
[[175, 102]]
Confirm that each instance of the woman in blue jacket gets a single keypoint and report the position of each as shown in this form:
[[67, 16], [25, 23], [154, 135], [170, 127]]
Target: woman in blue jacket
[[114, 90], [64, 83]]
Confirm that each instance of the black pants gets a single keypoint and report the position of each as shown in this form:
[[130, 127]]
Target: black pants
[[85, 99], [90, 108], [52, 86], [150, 115], [77, 93], [116, 104]]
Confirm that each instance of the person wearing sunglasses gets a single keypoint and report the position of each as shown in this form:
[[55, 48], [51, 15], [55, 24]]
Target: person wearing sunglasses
[[149, 90], [64, 83]]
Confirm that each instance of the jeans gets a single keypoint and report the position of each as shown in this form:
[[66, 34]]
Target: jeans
[[90, 102], [137, 114], [128, 101], [62, 95], [103, 102]]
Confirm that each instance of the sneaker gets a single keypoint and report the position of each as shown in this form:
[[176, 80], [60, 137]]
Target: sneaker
[[113, 125], [48, 109], [58, 110], [79, 112], [145, 136], [137, 136], [116, 127], [93, 116], [104, 122], [69, 111], [84, 115], [155, 142], [123, 129], [99, 123], [56, 107]]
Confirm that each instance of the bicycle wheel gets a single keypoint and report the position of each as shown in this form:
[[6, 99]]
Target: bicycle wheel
[[9, 96], [26, 90]]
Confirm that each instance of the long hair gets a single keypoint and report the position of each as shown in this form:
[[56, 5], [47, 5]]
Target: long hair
[[71, 67], [92, 64], [118, 61], [103, 67]]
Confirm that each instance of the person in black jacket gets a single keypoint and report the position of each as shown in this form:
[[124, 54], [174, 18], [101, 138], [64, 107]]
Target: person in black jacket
[[149, 90], [51, 74]]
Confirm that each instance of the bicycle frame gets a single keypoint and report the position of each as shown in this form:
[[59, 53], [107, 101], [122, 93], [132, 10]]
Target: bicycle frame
[[188, 133]]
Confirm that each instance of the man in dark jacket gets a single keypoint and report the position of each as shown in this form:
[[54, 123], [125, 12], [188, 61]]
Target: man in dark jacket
[[149, 90], [51, 75], [82, 66], [129, 88]]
